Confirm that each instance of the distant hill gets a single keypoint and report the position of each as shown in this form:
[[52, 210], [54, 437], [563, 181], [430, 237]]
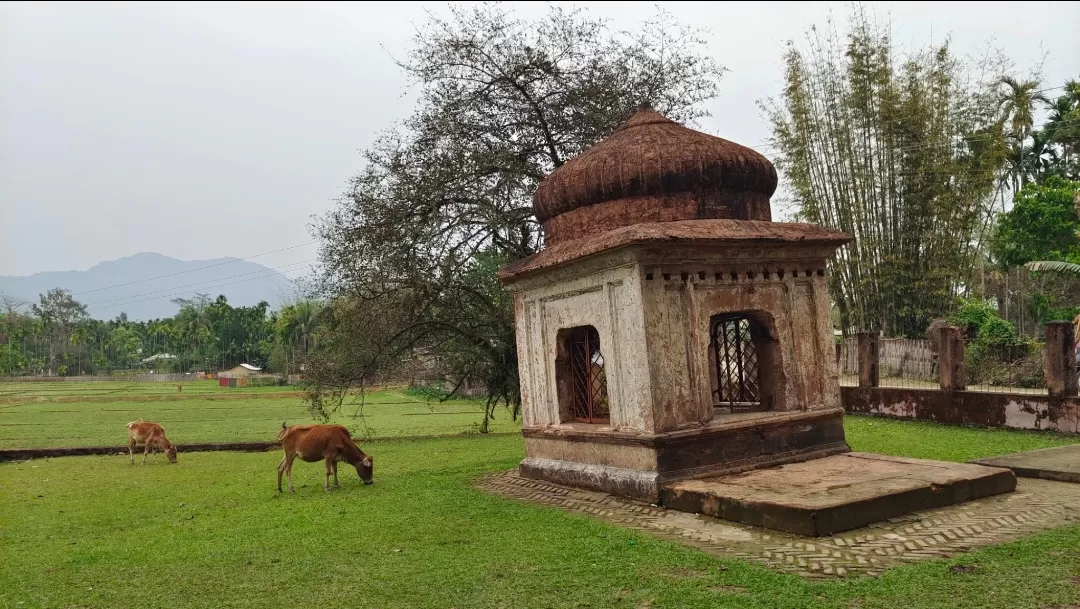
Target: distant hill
[[242, 282]]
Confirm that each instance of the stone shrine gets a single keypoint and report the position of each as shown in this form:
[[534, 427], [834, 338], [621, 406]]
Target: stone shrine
[[670, 331]]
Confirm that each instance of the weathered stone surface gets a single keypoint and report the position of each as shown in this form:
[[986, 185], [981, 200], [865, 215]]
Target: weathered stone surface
[[1061, 463], [636, 465], [652, 311], [651, 156], [868, 359], [732, 233], [986, 409], [1060, 359], [951, 374], [933, 534], [837, 493]]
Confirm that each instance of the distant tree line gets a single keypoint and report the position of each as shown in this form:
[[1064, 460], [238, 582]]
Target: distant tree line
[[56, 337]]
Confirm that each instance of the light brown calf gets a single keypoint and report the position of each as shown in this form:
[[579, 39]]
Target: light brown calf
[[152, 436], [330, 443]]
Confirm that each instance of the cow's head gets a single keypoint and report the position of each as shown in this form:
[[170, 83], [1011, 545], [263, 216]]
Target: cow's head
[[170, 452], [366, 469]]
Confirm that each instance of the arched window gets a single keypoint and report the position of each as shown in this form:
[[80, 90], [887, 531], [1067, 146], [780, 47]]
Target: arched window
[[735, 344], [580, 378]]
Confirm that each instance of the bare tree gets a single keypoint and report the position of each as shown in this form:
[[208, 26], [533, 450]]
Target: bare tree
[[410, 253], [12, 306]]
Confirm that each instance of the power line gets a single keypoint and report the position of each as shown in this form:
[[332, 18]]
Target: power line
[[928, 143], [210, 266], [103, 302], [183, 293], [767, 146]]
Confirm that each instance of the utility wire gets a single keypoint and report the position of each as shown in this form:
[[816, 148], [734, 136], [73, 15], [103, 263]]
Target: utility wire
[[262, 270], [210, 266], [183, 293]]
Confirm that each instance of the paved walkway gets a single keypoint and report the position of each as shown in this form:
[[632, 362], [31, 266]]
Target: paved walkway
[[1034, 506], [1061, 463]]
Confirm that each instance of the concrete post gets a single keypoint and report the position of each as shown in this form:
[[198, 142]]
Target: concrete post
[[951, 375], [1060, 361], [868, 359]]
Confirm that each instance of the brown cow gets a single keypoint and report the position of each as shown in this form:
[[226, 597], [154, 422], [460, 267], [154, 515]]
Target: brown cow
[[152, 436], [331, 443]]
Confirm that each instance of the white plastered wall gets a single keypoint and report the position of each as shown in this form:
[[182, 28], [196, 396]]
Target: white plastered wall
[[610, 301]]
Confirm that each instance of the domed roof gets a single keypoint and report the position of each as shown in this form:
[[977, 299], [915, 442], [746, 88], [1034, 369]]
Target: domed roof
[[654, 169]]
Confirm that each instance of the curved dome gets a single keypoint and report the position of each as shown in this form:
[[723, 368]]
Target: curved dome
[[653, 169]]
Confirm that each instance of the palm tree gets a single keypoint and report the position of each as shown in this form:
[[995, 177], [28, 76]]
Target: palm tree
[[305, 318], [1063, 122], [1054, 266], [1039, 157], [1017, 104], [1016, 174]]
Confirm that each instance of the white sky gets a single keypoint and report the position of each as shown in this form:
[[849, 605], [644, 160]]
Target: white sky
[[205, 130]]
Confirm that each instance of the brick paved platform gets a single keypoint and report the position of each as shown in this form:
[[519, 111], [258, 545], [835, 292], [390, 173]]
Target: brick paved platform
[[1035, 505], [1061, 463], [838, 493]]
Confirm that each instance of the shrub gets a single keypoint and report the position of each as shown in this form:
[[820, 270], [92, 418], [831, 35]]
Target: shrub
[[972, 315], [431, 390], [1016, 365]]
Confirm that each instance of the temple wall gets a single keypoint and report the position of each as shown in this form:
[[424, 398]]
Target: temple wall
[[797, 369], [610, 301], [652, 311]]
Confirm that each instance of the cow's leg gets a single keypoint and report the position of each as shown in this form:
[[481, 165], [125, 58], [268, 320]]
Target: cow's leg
[[131, 450], [146, 451], [288, 469], [280, 470], [336, 484], [329, 470]]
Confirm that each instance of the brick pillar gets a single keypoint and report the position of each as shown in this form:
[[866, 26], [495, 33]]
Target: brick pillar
[[951, 375], [868, 359], [1060, 361]]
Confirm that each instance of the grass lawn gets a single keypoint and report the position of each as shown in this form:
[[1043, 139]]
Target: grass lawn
[[212, 531], [42, 424], [944, 442]]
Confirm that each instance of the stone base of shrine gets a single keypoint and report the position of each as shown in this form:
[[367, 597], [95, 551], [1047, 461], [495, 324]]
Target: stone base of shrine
[[836, 493], [638, 466]]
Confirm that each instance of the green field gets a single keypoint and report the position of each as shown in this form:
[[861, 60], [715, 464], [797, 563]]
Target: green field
[[212, 531], [61, 420]]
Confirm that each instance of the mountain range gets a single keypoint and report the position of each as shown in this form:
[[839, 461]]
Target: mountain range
[[143, 285]]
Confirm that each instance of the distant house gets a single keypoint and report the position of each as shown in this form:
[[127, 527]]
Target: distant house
[[241, 371]]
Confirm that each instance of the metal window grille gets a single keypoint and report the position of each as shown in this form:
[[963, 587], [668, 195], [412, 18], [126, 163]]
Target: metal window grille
[[590, 396], [738, 384]]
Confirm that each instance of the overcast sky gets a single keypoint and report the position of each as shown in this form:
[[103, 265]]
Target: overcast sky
[[207, 130]]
